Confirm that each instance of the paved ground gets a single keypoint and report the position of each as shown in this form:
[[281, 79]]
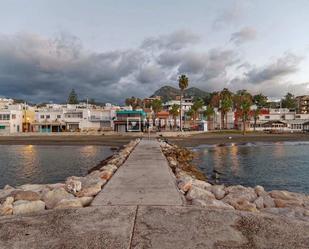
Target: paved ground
[[140, 208], [144, 179]]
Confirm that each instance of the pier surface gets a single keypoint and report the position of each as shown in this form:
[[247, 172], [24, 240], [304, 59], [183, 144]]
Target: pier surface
[[144, 179], [140, 207]]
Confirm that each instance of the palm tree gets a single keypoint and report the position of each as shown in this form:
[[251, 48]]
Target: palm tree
[[156, 106], [197, 105], [209, 112], [224, 102], [183, 81], [174, 111], [243, 102], [260, 101]]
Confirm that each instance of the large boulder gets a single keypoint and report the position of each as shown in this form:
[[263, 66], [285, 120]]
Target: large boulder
[[218, 191], [85, 201], [268, 201], [201, 184], [25, 207], [238, 194], [69, 203], [26, 195], [51, 198], [285, 195], [89, 191], [106, 174], [4, 193], [199, 193], [7, 207], [259, 202], [244, 205], [260, 191], [280, 203], [212, 203], [73, 186]]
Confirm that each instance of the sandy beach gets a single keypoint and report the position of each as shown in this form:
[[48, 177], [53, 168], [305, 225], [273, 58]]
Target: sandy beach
[[121, 139], [222, 138]]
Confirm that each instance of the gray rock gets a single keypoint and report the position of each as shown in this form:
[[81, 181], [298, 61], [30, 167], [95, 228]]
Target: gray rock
[[89, 191], [69, 203], [268, 202], [259, 202], [218, 191], [212, 203], [7, 208], [201, 184], [239, 193], [25, 207], [51, 198], [25, 195], [86, 201], [73, 186], [199, 193]]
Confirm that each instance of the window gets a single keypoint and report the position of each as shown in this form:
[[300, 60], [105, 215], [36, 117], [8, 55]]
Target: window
[[58, 116], [42, 116], [267, 117], [47, 116], [4, 116], [13, 116]]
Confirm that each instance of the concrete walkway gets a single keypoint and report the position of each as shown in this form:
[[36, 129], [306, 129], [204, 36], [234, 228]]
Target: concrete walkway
[[144, 179], [140, 208]]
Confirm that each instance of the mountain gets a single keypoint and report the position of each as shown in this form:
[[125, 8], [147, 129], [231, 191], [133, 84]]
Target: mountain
[[168, 93]]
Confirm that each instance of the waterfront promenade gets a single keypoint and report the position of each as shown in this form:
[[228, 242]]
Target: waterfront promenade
[[140, 207]]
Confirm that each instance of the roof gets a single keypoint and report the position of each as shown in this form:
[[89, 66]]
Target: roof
[[270, 123], [126, 112]]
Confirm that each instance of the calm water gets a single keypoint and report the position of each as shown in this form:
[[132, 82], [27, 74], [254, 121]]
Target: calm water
[[272, 165], [20, 164]]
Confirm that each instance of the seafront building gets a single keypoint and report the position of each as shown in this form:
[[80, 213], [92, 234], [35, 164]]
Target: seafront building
[[51, 118]]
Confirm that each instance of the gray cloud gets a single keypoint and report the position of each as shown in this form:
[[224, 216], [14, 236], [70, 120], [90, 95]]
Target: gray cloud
[[39, 69], [174, 41], [283, 66], [244, 35]]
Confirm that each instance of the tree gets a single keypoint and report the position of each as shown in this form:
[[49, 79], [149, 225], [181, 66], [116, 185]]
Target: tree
[[260, 101], [156, 106], [183, 81], [209, 112], [195, 108], [174, 111], [224, 102], [243, 102], [134, 102], [289, 101], [73, 99]]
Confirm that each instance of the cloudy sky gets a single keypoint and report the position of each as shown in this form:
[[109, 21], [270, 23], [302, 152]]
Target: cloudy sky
[[112, 49]]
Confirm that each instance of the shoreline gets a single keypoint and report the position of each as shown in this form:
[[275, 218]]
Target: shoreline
[[224, 138]]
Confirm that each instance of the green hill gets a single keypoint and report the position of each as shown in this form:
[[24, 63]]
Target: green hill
[[169, 93]]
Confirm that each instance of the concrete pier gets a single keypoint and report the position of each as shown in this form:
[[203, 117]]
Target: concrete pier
[[141, 208], [144, 179]]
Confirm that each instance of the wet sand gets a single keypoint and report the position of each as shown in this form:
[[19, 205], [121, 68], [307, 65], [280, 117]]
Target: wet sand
[[222, 138], [110, 140]]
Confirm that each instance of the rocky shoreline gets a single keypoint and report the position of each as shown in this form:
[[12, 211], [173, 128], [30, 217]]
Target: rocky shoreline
[[199, 192], [75, 192]]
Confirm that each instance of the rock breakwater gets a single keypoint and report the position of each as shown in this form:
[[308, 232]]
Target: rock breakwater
[[75, 192], [199, 192]]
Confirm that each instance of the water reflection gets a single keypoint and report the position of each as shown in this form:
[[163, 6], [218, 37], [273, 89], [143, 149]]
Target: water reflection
[[275, 166], [20, 164]]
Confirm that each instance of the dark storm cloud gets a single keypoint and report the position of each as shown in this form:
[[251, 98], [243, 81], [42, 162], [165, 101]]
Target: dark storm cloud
[[283, 66], [39, 69], [244, 35]]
